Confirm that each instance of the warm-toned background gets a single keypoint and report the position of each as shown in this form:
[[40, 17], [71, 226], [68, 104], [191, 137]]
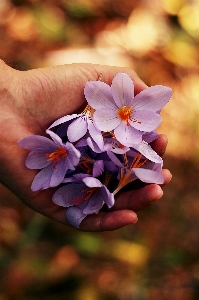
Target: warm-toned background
[[158, 258]]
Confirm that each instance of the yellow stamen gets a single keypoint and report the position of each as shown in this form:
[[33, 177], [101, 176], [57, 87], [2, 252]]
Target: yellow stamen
[[127, 175], [56, 156], [124, 114], [86, 163], [85, 166], [137, 163], [87, 193], [88, 110], [125, 160]]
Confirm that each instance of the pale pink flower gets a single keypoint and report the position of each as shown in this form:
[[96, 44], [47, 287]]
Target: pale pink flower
[[118, 109]]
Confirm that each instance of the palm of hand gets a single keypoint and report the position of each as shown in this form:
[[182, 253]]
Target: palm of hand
[[36, 99]]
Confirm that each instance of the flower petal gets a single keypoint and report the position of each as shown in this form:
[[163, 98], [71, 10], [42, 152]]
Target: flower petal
[[54, 137], [77, 129], [95, 134], [94, 204], [144, 120], [146, 150], [69, 194], [93, 145], [127, 135], [114, 159], [92, 182], [59, 173], [73, 154], [149, 176], [81, 143], [157, 167], [152, 98], [98, 168], [37, 160], [75, 216], [63, 120], [107, 196], [122, 90], [97, 200], [98, 95], [69, 165], [42, 179], [106, 119], [36, 141], [150, 136]]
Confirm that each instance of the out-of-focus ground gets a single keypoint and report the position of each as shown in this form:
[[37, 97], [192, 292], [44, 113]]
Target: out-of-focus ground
[[157, 258]]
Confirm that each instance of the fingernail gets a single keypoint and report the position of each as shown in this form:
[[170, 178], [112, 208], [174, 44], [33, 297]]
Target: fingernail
[[157, 198]]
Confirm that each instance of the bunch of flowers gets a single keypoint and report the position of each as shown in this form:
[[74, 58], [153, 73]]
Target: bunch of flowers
[[91, 156]]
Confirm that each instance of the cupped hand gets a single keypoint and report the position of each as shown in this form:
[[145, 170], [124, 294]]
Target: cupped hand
[[31, 101]]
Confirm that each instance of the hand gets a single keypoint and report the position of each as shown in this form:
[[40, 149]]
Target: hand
[[31, 101]]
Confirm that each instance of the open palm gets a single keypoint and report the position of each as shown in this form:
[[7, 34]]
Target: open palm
[[30, 101]]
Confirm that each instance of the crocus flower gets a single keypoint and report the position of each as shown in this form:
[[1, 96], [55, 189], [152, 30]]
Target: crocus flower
[[91, 165], [78, 128], [145, 175], [139, 167], [53, 157], [87, 195], [140, 162], [118, 109], [91, 156]]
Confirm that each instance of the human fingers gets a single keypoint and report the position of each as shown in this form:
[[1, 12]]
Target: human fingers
[[107, 73], [108, 221], [65, 84], [103, 221], [160, 144]]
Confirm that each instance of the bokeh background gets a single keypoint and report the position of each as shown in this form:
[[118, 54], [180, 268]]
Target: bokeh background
[[157, 258]]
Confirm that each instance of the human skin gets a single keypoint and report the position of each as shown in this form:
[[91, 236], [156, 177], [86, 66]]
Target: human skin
[[30, 101]]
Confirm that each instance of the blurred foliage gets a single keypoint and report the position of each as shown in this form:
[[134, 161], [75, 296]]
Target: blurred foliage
[[157, 258]]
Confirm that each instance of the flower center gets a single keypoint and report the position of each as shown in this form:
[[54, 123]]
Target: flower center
[[56, 156], [137, 162], [87, 193], [124, 114], [126, 174], [88, 111], [86, 164]]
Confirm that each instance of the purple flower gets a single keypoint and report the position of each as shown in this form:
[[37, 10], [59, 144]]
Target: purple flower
[[145, 149], [79, 127], [143, 174], [75, 216], [91, 156], [91, 165], [86, 197], [118, 109], [53, 157], [141, 163]]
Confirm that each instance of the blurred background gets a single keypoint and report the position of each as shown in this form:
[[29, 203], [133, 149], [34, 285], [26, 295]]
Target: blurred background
[[157, 258]]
